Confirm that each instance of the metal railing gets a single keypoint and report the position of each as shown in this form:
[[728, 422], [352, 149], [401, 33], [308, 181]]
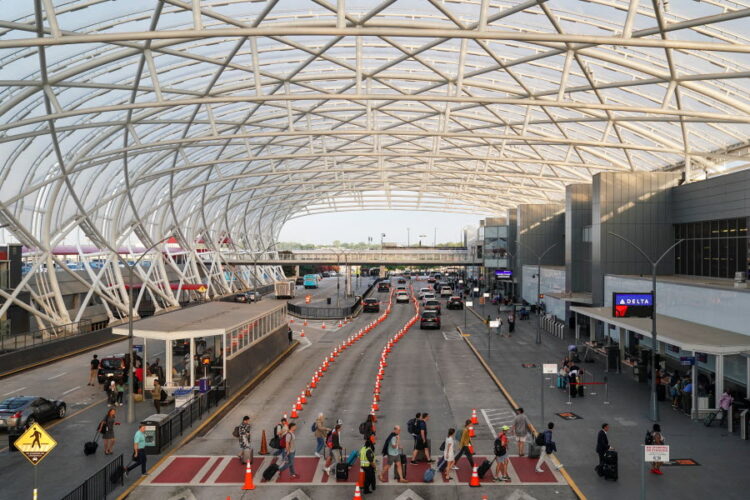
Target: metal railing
[[550, 324], [100, 484], [312, 312], [44, 336], [385, 256]]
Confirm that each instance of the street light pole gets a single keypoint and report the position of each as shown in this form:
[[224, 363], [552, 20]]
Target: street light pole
[[654, 407], [131, 275], [538, 286]]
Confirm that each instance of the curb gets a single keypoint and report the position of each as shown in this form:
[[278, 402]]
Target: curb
[[513, 403], [218, 414]]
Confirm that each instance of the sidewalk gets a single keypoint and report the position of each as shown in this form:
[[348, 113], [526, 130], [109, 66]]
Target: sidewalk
[[722, 458]]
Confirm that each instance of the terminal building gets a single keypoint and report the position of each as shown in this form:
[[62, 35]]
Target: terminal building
[[593, 246]]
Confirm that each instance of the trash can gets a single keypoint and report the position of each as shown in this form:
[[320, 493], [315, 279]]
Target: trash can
[[328, 300], [13, 434], [182, 397], [204, 384], [153, 432]]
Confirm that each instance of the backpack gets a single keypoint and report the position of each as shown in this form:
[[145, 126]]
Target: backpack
[[329, 439], [411, 426], [539, 441], [499, 448], [649, 438], [236, 431], [314, 427], [163, 395], [363, 428], [387, 443], [282, 441]]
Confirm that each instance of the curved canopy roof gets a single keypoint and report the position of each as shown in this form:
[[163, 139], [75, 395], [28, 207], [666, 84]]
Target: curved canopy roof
[[212, 117]]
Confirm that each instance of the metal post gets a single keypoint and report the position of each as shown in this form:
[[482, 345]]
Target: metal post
[[131, 399], [643, 472], [489, 339], [730, 419], [606, 391], [541, 388], [464, 316], [743, 424], [539, 301]]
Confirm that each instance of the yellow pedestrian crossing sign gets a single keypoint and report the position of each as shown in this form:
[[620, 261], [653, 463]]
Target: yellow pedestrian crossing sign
[[35, 443]]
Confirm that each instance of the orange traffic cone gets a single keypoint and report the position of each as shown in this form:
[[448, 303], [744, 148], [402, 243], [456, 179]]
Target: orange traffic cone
[[340, 325], [249, 478], [294, 412], [308, 392], [474, 478], [357, 495], [263, 443], [361, 481], [302, 333], [471, 431], [298, 406], [323, 326], [305, 322], [291, 320], [474, 420]]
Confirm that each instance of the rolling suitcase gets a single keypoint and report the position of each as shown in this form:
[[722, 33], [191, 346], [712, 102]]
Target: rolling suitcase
[[429, 475], [342, 471], [609, 466], [402, 457], [270, 471], [580, 391], [534, 450], [485, 467], [89, 447]]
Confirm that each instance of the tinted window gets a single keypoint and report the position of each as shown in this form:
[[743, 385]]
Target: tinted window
[[14, 403], [111, 364]]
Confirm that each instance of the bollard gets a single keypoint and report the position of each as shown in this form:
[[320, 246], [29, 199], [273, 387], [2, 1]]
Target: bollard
[[606, 391], [743, 424], [730, 419]]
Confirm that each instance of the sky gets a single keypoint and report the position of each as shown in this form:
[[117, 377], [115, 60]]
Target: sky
[[355, 227]]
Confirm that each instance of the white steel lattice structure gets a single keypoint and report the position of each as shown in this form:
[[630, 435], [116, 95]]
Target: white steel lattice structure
[[123, 122]]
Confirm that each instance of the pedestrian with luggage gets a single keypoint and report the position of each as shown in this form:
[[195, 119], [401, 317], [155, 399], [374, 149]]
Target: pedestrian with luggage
[[501, 455], [725, 403], [367, 428], [367, 464], [93, 370], [422, 443], [548, 448], [139, 452], [521, 428], [465, 446], [321, 432], [602, 446], [107, 430], [290, 451], [279, 431], [111, 389], [392, 456], [656, 438], [246, 449], [412, 427], [449, 453], [333, 443]]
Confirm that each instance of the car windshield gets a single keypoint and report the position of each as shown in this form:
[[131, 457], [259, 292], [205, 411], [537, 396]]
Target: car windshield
[[371, 301], [112, 364], [14, 403], [429, 315], [432, 303]]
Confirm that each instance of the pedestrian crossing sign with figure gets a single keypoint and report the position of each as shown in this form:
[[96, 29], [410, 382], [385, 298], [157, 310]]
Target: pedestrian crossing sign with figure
[[35, 443]]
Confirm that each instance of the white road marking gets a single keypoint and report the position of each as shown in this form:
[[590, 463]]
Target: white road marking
[[496, 417], [71, 390], [306, 343], [57, 376], [13, 392], [451, 335]]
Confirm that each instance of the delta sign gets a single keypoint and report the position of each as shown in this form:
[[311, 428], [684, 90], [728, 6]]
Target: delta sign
[[638, 305]]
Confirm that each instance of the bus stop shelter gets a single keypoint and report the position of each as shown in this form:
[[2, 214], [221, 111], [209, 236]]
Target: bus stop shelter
[[198, 340]]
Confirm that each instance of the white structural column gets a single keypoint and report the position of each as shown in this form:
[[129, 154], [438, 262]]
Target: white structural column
[[694, 392], [719, 382], [168, 362], [623, 334], [190, 364]]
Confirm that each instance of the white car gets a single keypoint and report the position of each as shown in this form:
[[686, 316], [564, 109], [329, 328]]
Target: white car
[[402, 297], [427, 296], [446, 291], [423, 291]]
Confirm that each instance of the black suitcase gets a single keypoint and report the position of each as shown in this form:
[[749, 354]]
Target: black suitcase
[[484, 468], [580, 391], [609, 465], [270, 471], [89, 447], [342, 471], [402, 457]]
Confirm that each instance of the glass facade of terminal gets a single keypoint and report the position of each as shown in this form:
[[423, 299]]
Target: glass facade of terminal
[[716, 248]]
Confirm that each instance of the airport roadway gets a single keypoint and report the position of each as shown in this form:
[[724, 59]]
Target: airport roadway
[[428, 371]]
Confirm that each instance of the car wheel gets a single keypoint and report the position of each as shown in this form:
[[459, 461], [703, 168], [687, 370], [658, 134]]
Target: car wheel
[[61, 411]]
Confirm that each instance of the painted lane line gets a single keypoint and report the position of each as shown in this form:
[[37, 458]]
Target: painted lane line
[[223, 464], [489, 422], [13, 392], [57, 376], [71, 390], [307, 343]]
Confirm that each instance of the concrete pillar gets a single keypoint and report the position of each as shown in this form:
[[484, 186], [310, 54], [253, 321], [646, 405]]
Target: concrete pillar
[[719, 388], [622, 336], [694, 394], [168, 362], [660, 347], [192, 362], [592, 329], [578, 327], [296, 271], [348, 278]]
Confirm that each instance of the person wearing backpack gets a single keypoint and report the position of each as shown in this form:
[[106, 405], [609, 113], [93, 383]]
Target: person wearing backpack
[[548, 446], [464, 445], [411, 427], [321, 433], [367, 428], [243, 434], [279, 431], [501, 455], [423, 443], [656, 438], [392, 455]]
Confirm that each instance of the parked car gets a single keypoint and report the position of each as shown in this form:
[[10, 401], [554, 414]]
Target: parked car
[[455, 302], [402, 297], [114, 367], [429, 319], [401, 281], [432, 305], [22, 411], [326, 275], [384, 286], [371, 305], [430, 280], [253, 296]]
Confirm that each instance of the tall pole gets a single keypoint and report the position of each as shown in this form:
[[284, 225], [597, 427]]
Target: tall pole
[[538, 286], [408, 236], [654, 407], [131, 275]]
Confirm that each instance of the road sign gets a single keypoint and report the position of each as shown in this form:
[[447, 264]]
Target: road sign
[[35, 443], [640, 305], [476, 289], [687, 360], [656, 453], [469, 303], [486, 295], [138, 348], [549, 368], [494, 324]]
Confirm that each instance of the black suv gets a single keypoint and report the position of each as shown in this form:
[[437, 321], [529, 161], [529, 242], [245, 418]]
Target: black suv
[[455, 302], [371, 305], [299, 281], [384, 286], [113, 367], [429, 319]]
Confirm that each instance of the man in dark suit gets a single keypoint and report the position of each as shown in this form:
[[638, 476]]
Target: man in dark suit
[[602, 444]]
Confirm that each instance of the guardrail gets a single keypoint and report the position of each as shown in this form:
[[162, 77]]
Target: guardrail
[[312, 312], [44, 336], [99, 485]]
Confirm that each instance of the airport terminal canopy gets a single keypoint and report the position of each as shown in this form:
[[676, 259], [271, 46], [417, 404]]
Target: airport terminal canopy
[[211, 119]]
